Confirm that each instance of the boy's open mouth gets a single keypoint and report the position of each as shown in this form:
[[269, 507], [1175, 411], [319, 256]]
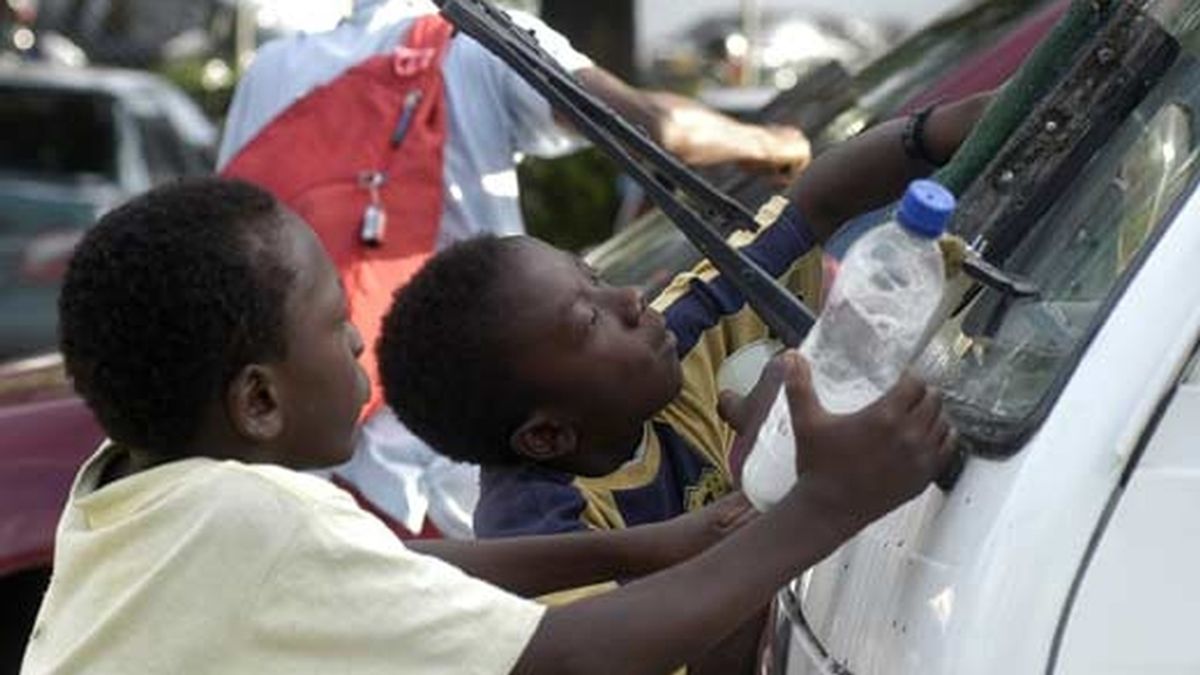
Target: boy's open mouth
[[668, 341], [662, 339]]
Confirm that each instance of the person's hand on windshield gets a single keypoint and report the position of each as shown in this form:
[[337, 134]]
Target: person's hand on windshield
[[860, 465], [702, 136], [867, 463]]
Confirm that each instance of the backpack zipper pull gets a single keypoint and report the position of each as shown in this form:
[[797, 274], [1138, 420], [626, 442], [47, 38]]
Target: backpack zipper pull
[[373, 228]]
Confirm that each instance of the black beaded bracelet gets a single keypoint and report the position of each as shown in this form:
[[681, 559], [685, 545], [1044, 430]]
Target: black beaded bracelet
[[913, 137]]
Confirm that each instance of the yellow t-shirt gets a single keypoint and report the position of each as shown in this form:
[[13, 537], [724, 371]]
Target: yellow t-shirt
[[201, 566]]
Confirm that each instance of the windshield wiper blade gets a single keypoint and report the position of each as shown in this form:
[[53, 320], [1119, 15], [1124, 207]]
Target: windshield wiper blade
[[659, 173], [1002, 211], [998, 280]]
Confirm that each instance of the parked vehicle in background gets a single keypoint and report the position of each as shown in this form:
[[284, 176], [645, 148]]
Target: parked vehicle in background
[[77, 142], [716, 52], [45, 433]]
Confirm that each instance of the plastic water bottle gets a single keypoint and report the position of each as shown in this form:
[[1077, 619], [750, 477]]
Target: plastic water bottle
[[875, 321]]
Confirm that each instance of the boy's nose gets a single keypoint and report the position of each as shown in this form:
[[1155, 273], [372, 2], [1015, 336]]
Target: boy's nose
[[631, 305]]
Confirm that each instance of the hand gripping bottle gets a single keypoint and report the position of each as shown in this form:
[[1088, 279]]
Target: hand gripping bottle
[[875, 321]]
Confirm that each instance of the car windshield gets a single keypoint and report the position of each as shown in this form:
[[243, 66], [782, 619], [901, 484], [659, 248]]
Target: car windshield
[[57, 134], [651, 252], [1000, 364]]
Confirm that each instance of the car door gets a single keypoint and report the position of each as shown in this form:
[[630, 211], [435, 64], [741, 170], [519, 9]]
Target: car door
[[1136, 600]]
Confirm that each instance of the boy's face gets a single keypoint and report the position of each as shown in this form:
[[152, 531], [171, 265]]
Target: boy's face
[[322, 386], [591, 352]]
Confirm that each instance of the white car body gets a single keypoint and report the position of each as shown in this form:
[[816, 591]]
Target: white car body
[[1077, 553], [978, 581]]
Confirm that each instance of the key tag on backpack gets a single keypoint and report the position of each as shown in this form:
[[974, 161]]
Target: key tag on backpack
[[373, 228]]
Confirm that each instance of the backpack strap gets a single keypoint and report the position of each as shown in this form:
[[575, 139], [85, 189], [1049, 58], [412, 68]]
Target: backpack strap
[[364, 155], [424, 46]]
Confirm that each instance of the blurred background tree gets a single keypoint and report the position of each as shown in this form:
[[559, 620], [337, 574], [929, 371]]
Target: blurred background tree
[[572, 201], [604, 31]]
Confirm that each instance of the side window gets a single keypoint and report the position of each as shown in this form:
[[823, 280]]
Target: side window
[[1153, 174], [57, 133], [164, 150], [1108, 225]]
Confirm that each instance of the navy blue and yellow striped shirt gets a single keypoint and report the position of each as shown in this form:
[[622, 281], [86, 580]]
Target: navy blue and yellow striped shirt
[[682, 462]]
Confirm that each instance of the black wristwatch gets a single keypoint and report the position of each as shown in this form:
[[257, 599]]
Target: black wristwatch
[[913, 137]]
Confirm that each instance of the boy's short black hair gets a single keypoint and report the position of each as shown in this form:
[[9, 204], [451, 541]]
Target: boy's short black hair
[[442, 356], [166, 299]]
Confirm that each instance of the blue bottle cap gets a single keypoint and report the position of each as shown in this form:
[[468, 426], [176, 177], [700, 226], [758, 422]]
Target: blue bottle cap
[[926, 208]]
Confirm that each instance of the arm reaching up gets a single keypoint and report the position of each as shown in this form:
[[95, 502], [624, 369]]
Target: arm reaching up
[[872, 169]]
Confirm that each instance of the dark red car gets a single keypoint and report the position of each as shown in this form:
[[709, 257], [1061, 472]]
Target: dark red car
[[45, 433]]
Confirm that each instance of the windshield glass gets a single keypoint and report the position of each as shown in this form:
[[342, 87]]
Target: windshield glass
[[651, 252], [999, 362]]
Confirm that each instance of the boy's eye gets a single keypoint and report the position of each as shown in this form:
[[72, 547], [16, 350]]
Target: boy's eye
[[595, 319]]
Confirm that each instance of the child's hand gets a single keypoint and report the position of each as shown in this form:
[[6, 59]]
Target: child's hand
[[861, 466], [747, 413], [685, 536]]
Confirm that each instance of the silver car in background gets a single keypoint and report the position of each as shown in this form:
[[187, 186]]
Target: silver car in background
[[77, 142]]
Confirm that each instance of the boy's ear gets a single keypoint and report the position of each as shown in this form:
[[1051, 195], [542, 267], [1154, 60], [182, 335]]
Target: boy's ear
[[253, 404], [544, 437]]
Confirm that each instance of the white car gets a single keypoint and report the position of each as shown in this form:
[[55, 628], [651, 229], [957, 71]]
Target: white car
[[1070, 543]]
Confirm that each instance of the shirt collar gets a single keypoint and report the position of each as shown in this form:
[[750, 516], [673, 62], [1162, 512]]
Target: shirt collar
[[366, 10]]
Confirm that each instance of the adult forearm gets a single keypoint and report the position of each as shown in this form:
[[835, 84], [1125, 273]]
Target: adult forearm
[[695, 133], [650, 111], [871, 170], [701, 136], [659, 622]]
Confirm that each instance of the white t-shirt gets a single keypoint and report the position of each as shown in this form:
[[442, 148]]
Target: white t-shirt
[[200, 566], [495, 116]]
